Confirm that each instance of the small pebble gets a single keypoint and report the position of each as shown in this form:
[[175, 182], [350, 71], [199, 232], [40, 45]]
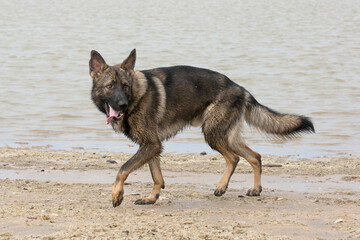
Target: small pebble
[[272, 165], [111, 161]]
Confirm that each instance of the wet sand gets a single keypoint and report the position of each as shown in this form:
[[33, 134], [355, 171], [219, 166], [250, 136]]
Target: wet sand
[[67, 195]]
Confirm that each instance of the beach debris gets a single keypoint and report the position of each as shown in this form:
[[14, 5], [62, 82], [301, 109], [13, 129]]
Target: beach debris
[[203, 153], [132, 194], [161, 198], [103, 156], [351, 178], [338, 221], [111, 161], [126, 232], [272, 165], [241, 196]]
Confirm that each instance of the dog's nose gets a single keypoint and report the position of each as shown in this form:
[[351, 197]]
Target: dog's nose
[[123, 107]]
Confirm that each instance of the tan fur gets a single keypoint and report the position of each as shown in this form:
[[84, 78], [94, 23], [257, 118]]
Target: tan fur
[[269, 122], [162, 98]]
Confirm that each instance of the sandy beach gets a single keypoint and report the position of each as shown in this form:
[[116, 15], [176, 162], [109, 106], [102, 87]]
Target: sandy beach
[[67, 195]]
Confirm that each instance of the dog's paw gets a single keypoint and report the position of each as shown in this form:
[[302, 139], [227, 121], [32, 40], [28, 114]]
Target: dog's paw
[[145, 201], [252, 192], [219, 192], [116, 201]]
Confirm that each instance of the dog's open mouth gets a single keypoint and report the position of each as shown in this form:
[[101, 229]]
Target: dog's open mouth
[[113, 114]]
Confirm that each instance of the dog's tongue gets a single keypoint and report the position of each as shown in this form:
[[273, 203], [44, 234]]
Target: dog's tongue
[[112, 114]]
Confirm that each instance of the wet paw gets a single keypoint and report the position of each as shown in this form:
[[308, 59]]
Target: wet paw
[[254, 192], [144, 201]]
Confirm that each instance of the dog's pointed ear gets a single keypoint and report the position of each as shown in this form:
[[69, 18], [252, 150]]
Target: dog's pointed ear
[[129, 63], [97, 64]]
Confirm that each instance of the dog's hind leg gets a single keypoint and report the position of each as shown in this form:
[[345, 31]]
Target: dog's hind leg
[[231, 163], [158, 179], [215, 129], [254, 158]]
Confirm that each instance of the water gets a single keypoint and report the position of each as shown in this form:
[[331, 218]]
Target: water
[[208, 180], [294, 56]]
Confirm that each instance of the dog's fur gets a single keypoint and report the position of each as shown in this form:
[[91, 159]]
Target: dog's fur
[[154, 105]]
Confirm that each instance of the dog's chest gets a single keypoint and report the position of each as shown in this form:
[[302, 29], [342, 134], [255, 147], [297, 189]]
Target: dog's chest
[[131, 128]]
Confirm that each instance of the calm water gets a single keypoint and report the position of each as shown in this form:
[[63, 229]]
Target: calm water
[[294, 56]]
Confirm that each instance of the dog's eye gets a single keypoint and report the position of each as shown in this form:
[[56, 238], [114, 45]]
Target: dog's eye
[[110, 86]]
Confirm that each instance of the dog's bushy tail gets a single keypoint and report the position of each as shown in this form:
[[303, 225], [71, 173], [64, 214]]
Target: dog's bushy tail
[[272, 122]]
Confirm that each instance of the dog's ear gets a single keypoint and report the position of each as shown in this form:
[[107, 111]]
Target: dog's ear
[[97, 64], [129, 63]]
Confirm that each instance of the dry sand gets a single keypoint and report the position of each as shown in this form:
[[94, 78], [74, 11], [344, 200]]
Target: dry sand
[[67, 195]]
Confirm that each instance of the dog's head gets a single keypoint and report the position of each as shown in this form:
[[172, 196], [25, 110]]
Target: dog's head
[[111, 91]]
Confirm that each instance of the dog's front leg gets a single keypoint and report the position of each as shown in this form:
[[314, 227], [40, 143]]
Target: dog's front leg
[[154, 165], [142, 156]]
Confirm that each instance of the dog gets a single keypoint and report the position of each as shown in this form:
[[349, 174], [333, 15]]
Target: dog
[[151, 106]]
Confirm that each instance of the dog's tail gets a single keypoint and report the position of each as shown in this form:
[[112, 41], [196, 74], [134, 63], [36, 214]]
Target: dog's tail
[[272, 122]]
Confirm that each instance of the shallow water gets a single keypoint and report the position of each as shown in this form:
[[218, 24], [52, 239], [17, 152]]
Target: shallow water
[[208, 180], [293, 56]]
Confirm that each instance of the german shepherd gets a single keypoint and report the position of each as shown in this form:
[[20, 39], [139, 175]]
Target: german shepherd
[[151, 106]]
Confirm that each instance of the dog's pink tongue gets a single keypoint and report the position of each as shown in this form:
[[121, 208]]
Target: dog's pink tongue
[[112, 114]]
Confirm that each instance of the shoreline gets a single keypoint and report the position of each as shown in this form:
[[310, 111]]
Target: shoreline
[[265, 146], [66, 194], [192, 162]]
